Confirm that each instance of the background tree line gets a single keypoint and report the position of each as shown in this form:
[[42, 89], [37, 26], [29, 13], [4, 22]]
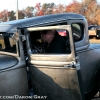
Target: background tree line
[[89, 8]]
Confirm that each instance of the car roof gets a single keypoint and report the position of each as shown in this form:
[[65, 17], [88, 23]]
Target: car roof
[[39, 21]]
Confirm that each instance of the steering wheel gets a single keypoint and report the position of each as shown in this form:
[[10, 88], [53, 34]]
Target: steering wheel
[[36, 49]]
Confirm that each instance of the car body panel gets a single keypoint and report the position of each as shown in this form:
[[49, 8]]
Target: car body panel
[[13, 82], [10, 61], [92, 57], [54, 82]]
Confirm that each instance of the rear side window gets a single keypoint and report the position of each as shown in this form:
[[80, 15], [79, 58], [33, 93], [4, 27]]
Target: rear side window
[[7, 44], [78, 31]]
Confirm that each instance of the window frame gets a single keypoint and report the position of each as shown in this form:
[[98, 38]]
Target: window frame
[[62, 27]]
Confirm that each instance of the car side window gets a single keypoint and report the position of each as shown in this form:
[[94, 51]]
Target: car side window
[[78, 31], [7, 44], [39, 46]]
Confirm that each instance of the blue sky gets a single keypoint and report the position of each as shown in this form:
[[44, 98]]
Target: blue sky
[[11, 4]]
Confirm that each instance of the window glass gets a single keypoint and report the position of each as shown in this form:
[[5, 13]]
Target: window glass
[[78, 31], [7, 44]]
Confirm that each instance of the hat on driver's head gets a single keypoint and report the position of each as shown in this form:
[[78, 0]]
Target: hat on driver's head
[[44, 31]]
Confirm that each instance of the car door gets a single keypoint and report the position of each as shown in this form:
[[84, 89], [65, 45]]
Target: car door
[[54, 76], [13, 75]]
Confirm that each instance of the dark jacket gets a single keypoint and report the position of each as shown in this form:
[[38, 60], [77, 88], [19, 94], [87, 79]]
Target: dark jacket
[[58, 45]]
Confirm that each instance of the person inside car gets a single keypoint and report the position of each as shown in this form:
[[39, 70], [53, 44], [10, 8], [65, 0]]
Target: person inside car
[[53, 41]]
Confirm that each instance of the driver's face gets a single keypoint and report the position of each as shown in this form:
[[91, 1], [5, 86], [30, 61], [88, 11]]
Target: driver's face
[[47, 36]]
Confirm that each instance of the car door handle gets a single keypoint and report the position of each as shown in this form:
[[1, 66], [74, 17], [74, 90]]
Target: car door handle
[[71, 65]]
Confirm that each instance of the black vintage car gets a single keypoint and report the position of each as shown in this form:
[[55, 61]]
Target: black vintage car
[[24, 65]]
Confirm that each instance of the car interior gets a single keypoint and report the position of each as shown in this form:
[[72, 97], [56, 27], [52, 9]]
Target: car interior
[[38, 46]]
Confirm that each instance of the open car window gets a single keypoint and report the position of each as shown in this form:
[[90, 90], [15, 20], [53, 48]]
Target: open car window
[[7, 44], [37, 45]]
